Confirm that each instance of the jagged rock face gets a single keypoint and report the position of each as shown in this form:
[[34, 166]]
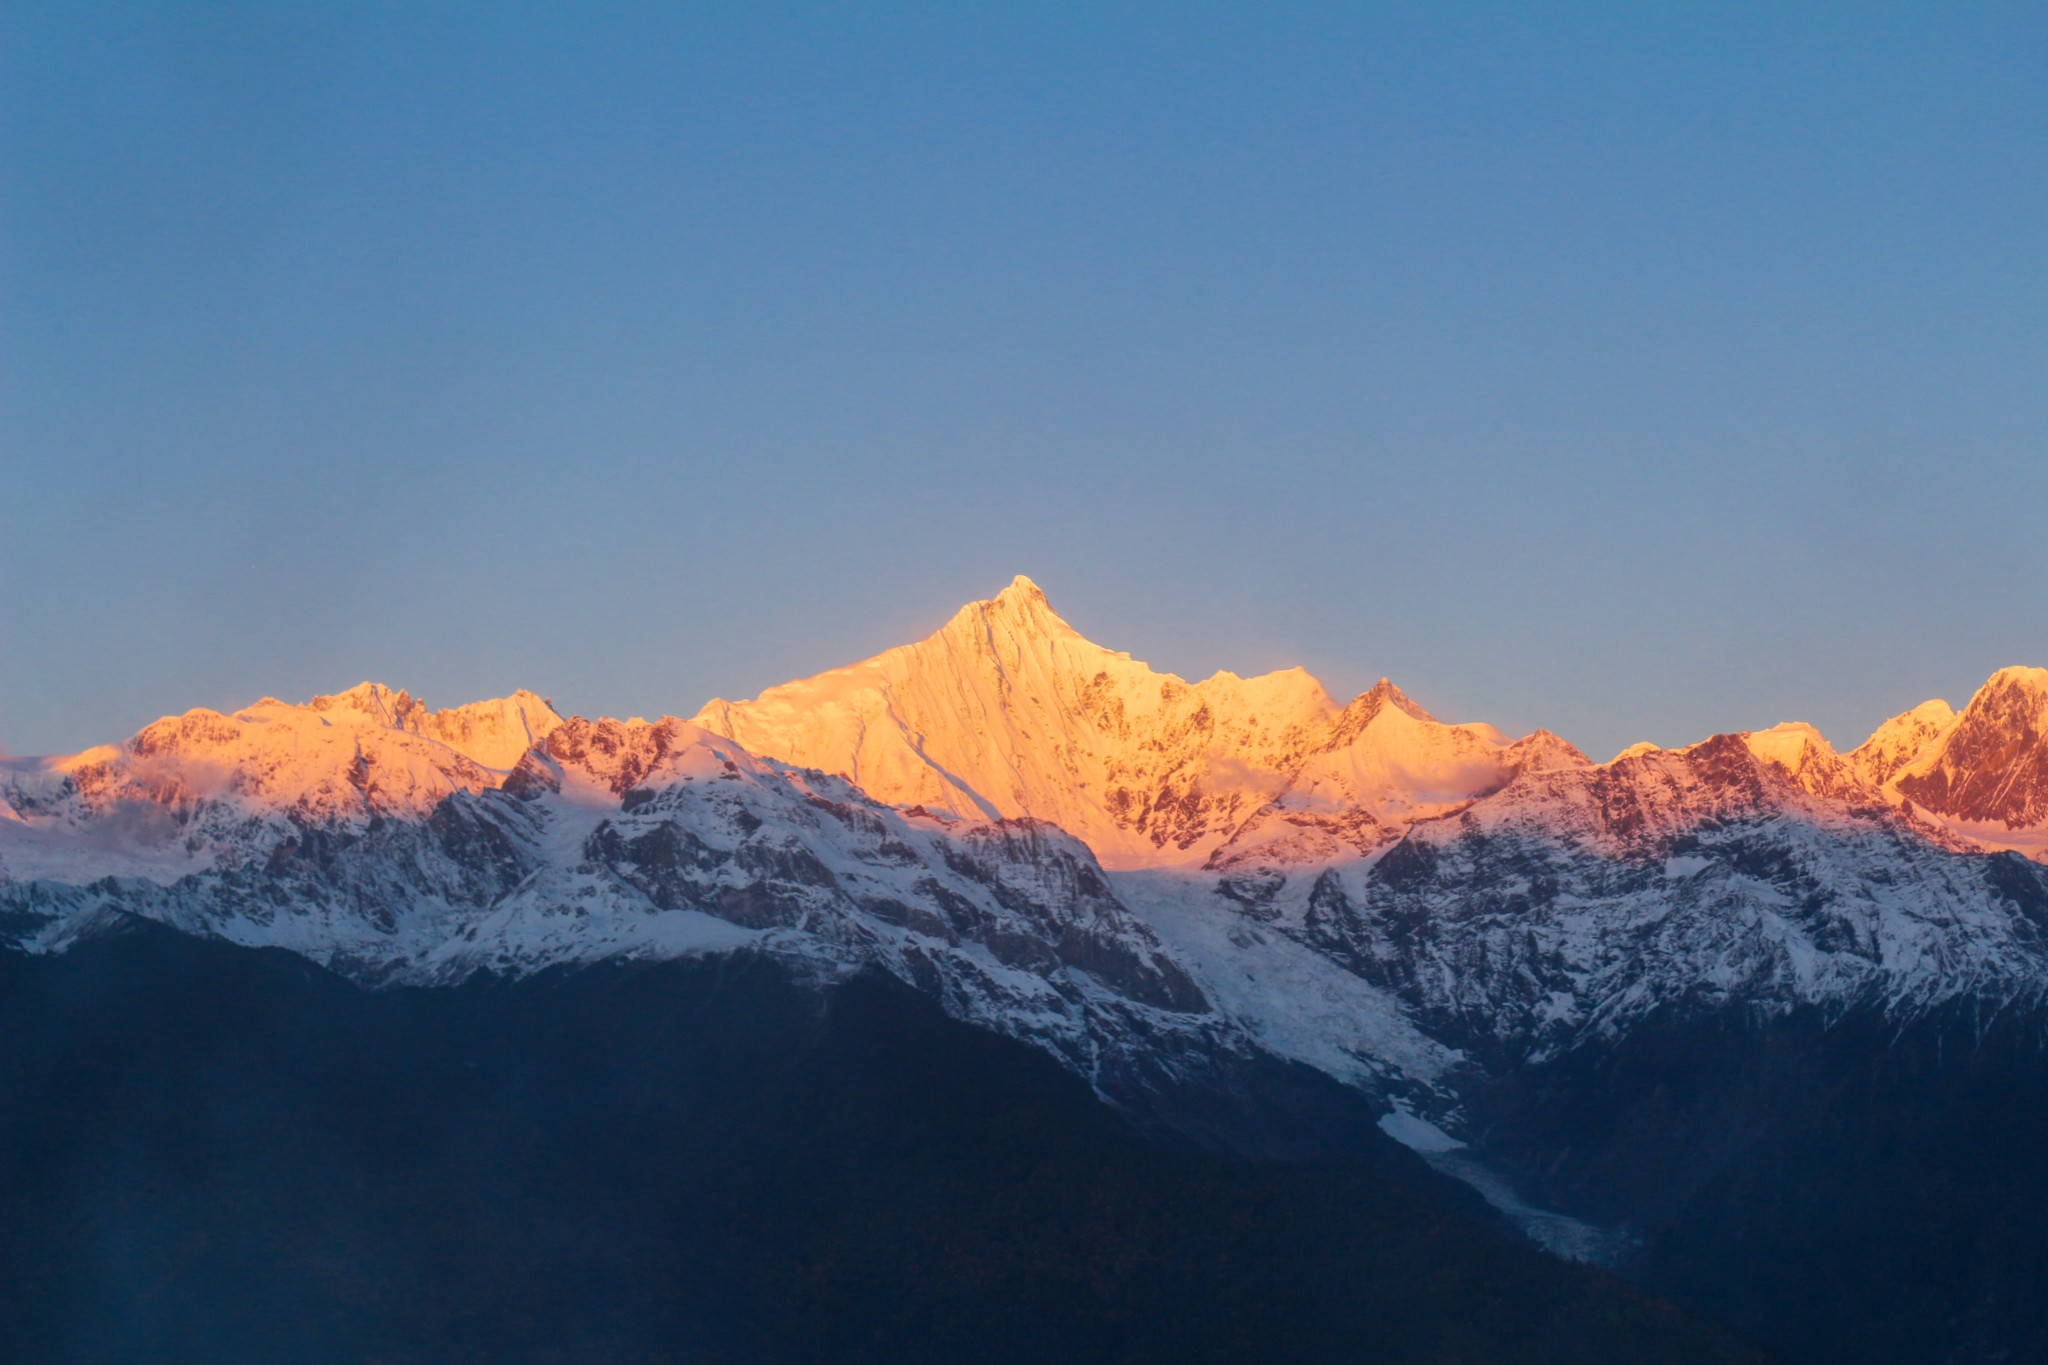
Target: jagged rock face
[[615, 754], [1991, 765], [1008, 711]]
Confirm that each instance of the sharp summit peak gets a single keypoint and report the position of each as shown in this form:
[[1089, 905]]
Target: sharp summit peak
[[1020, 594], [1022, 605]]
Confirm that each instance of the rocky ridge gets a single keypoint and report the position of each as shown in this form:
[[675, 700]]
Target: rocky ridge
[[341, 832]]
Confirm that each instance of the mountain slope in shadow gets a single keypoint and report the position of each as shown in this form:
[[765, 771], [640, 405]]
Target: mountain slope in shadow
[[224, 1155]]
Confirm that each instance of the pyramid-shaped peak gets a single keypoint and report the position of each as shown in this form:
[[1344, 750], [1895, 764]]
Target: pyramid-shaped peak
[[1021, 607], [1022, 598], [1369, 704], [1385, 693]]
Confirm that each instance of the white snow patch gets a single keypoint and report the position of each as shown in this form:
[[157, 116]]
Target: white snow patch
[[1417, 1134], [1560, 1234]]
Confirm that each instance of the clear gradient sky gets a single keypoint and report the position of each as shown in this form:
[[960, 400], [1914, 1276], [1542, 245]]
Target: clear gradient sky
[[1639, 371]]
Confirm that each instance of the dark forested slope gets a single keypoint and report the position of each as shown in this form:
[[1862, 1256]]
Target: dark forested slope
[[227, 1156]]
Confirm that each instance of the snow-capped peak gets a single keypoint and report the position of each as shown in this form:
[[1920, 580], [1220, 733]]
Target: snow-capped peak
[[1008, 711]]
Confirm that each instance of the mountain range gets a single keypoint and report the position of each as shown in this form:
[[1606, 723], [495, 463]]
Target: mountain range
[[1645, 1009]]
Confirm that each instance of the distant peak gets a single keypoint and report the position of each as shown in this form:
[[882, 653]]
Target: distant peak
[[362, 693], [1787, 744], [1791, 729]]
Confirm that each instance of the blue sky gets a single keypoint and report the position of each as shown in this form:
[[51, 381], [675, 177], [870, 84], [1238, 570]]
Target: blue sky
[[1637, 371]]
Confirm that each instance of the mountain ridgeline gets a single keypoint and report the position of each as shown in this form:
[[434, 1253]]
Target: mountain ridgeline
[[1756, 1024]]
